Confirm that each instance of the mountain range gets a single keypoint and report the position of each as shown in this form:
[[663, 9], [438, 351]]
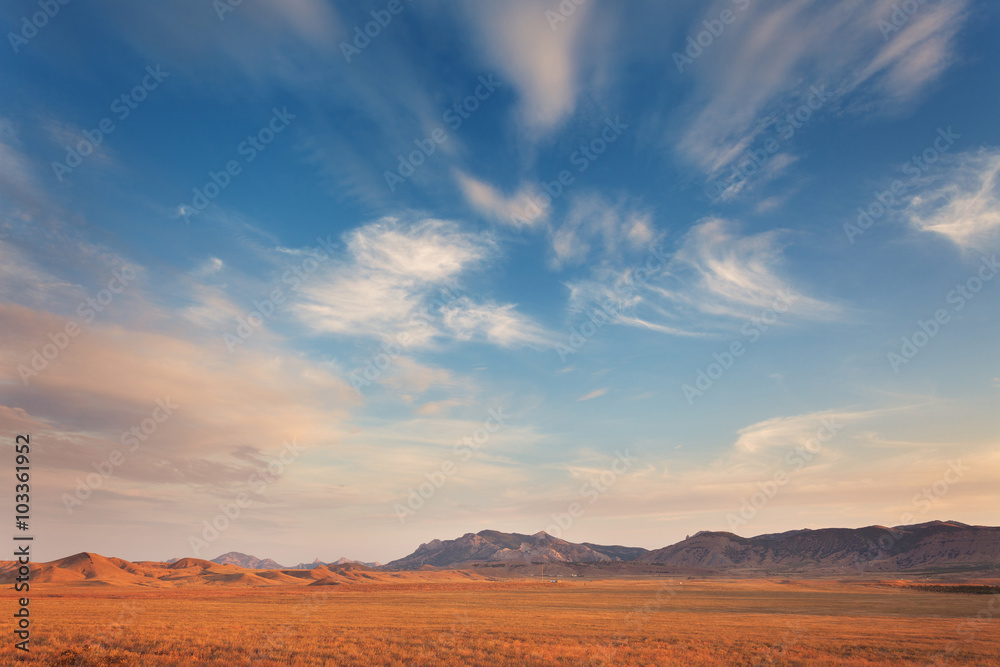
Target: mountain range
[[936, 544], [935, 548], [254, 563]]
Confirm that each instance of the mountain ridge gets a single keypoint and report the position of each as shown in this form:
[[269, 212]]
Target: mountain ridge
[[877, 548], [249, 562]]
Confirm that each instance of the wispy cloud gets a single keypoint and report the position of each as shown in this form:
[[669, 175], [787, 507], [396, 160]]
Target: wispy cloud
[[264, 43], [398, 280], [714, 279], [789, 432], [392, 271], [917, 53], [961, 199], [754, 75], [408, 377], [507, 209], [597, 230], [597, 393], [18, 182], [498, 324], [544, 64], [737, 276]]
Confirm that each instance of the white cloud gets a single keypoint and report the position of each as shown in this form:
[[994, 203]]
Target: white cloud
[[428, 251], [961, 200], [736, 275], [399, 280], [393, 270], [594, 226], [790, 432], [510, 210], [544, 64], [498, 324]]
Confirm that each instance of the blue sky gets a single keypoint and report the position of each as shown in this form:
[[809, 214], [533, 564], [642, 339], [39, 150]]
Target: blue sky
[[640, 261]]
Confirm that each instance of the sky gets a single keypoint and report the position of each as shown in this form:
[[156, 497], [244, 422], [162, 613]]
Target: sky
[[306, 279]]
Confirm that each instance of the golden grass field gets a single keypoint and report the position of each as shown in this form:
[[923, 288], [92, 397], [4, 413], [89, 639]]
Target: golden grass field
[[510, 622]]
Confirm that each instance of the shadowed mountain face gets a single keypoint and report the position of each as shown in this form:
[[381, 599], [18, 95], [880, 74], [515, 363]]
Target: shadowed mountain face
[[494, 546], [873, 548]]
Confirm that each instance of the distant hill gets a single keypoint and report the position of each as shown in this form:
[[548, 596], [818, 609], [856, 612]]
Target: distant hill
[[249, 562], [873, 548], [340, 561], [494, 546]]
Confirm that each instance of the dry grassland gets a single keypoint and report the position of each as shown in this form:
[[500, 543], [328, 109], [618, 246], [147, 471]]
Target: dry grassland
[[513, 622]]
